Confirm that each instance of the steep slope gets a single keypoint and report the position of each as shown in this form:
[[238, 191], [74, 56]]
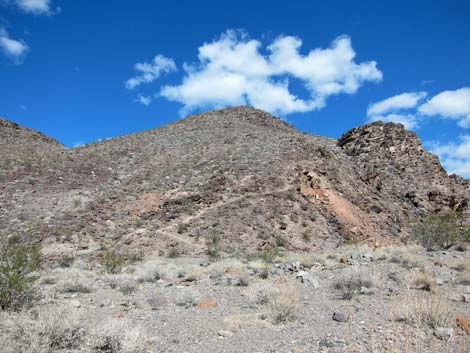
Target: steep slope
[[238, 174]]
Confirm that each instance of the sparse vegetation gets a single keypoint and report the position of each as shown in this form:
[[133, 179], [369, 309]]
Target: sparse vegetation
[[430, 311], [284, 302], [186, 297], [19, 259], [213, 246], [174, 252], [441, 231], [74, 286], [114, 261], [66, 261], [351, 285], [425, 282], [45, 330]]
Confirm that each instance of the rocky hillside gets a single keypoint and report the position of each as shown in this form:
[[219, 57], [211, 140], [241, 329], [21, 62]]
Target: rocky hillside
[[238, 177]]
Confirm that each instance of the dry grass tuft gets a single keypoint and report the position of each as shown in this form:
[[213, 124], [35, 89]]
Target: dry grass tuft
[[284, 302], [44, 330], [425, 282], [428, 311], [352, 283], [74, 286], [117, 337], [186, 297]]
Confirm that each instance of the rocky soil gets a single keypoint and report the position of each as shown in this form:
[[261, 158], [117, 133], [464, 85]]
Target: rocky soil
[[355, 299]]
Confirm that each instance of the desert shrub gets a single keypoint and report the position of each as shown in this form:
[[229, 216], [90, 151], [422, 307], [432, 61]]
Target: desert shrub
[[351, 285], [284, 302], [117, 337], [441, 231], [66, 261], [126, 287], [307, 235], [174, 252], [432, 311], [186, 297], [48, 281], [213, 246], [260, 293], [113, 261], [19, 259], [425, 282], [74, 286], [280, 241], [45, 330], [464, 277], [182, 227], [149, 274]]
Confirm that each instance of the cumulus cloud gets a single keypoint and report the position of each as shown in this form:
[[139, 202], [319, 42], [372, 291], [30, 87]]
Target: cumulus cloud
[[12, 48], [450, 105], [408, 120], [455, 156], [149, 72], [234, 69], [36, 7], [396, 109], [399, 102], [144, 100]]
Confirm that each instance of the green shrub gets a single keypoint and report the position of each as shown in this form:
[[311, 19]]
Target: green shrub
[[113, 262], [213, 248], [19, 259], [441, 231]]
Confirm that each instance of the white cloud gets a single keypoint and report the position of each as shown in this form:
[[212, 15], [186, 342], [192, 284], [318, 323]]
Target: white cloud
[[396, 109], [149, 72], [14, 49], [408, 120], [399, 102], [450, 105], [232, 70], [455, 156], [144, 100], [36, 7]]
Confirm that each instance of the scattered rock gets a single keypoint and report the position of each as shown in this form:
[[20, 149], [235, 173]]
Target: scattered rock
[[307, 278], [444, 333], [340, 317], [466, 298], [225, 333], [366, 291]]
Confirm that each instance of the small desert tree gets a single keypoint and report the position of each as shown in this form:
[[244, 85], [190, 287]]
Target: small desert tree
[[441, 231]]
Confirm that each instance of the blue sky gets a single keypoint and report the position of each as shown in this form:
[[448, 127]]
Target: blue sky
[[86, 70]]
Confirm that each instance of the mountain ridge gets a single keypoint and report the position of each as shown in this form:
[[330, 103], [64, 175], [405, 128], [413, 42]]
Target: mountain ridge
[[237, 172]]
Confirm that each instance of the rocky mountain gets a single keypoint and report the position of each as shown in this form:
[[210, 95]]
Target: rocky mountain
[[237, 175]]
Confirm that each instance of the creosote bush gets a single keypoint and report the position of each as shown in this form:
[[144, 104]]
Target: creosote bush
[[19, 259], [113, 261], [441, 231]]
